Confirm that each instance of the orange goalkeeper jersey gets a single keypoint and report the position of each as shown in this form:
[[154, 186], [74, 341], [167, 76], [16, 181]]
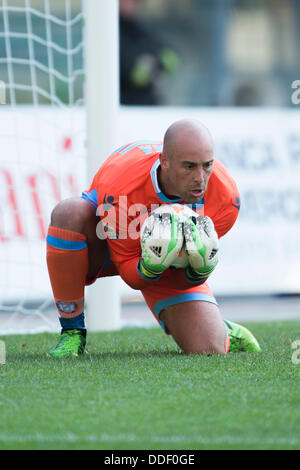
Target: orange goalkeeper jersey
[[126, 189]]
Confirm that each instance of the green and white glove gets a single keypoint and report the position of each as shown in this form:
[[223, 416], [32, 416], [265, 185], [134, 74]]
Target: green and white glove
[[202, 244], [161, 241]]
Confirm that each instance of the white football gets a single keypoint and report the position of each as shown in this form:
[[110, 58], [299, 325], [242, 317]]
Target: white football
[[184, 213]]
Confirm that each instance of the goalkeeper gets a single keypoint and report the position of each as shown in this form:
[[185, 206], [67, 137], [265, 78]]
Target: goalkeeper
[[91, 237]]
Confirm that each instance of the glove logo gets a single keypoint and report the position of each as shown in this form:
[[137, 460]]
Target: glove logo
[[213, 253], [156, 250]]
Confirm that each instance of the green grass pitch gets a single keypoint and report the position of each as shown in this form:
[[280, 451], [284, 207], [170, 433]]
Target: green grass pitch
[[136, 390]]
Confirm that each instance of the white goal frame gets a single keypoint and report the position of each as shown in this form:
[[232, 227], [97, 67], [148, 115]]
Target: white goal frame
[[102, 102]]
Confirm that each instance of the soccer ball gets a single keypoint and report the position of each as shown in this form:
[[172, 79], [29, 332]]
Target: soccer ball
[[184, 212]]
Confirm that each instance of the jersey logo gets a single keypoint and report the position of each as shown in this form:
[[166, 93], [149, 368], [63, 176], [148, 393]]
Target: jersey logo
[[109, 200], [238, 203]]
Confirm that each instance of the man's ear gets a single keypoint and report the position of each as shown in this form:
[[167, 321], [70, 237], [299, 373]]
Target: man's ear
[[164, 161]]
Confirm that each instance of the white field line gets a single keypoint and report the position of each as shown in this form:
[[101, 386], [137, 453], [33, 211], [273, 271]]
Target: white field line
[[133, 438]]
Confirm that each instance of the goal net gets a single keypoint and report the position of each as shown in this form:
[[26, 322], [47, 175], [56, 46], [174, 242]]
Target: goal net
[[43, 148]]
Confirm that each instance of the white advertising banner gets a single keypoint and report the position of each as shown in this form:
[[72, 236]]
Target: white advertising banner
[[42, 160]]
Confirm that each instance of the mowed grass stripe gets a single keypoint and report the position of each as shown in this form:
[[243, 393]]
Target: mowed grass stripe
[[132, 438]]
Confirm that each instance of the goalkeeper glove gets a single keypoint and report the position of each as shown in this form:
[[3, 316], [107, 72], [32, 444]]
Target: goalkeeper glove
[[161, 241], [202, 244]]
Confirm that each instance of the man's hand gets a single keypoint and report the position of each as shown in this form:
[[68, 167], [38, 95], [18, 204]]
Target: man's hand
[[201, 242], [161, 240]]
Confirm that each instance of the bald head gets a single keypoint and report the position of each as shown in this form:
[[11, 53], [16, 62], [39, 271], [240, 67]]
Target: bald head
[[187, 134], [186, 161]]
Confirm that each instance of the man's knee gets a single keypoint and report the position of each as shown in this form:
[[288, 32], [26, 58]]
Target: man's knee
[[205, 345], [196, 327], [74, 214], [208, 347]]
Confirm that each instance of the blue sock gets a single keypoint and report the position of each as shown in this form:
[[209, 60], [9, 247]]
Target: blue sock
[[73, 323]]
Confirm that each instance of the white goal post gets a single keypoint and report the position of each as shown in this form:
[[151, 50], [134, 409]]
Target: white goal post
[[59, 97], [102, 99]]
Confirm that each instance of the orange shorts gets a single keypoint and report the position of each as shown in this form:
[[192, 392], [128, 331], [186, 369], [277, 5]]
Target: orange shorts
[[162, 294]]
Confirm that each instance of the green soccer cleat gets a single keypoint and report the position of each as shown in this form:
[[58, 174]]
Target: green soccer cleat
[[241, 339], [71, 343]]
